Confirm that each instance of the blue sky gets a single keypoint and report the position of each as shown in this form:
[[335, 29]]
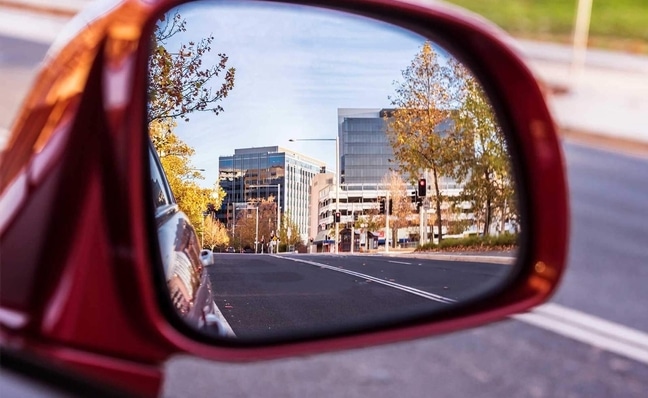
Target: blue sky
[[294, 68]]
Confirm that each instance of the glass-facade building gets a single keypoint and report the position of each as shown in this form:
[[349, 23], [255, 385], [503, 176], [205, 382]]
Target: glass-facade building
[[366, 156], [365, 151], [256, 173]]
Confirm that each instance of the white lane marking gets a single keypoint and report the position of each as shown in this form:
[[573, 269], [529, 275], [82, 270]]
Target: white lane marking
[[414, 291], [399, 262], [589, 329], [577, 325], [222, 322]]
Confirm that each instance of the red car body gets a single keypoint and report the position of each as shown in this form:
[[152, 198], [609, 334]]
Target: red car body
[[80, 282]]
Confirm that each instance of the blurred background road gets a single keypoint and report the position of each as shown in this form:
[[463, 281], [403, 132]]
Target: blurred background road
[[598, 349]]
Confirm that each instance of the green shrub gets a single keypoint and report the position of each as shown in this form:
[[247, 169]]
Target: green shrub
[[472, 242]]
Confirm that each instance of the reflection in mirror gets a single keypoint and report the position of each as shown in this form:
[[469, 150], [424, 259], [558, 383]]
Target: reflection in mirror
[[298, 147]]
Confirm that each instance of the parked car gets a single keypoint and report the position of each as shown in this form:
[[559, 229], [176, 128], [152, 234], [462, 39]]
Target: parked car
[[207, 257], [188, 284]]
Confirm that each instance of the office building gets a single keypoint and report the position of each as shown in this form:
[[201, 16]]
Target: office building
[[257, 173], [366, 157]]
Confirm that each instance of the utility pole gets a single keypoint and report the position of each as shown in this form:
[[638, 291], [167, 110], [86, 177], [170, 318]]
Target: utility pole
[[337, 190], [581, 33], [256, 233], [387, 223], [278, 210], [352, 226]]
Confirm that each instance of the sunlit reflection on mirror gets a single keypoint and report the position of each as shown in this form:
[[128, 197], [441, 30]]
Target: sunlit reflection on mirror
[[315, 172]]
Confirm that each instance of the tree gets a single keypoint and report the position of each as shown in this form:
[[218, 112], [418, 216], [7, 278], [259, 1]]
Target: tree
[[401, 206], [215, 234], [289, 231], [423, 102], [179, 83], [247, 222], [483, 165], [178, 86], [245, 229], [175, 157], [370, 221]]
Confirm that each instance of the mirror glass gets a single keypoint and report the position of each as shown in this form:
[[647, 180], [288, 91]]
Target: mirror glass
[[315, 172]]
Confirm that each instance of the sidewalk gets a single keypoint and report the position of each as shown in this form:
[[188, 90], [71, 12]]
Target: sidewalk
[[608, 99]]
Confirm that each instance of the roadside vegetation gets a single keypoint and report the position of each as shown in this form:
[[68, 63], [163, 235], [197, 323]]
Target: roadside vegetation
[[443, 127], [503, 242], [615, 24]]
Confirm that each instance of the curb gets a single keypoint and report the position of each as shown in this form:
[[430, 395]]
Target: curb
[[459, 257], [604, 141]]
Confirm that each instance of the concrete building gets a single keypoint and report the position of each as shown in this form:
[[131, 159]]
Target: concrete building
[[320, 182]]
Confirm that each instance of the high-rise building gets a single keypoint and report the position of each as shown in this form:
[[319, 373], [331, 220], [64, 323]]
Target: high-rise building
[[365, 151], [366, 158], [258, 173]]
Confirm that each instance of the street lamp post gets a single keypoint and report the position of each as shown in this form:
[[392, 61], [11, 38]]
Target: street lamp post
[[352, 226], [337, 180], [256, 233]]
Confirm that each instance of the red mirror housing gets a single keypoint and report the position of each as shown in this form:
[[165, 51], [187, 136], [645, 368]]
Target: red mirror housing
[[75, 226]]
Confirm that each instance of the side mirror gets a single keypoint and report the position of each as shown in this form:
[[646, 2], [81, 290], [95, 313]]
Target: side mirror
[[417, 113], [102, 224]]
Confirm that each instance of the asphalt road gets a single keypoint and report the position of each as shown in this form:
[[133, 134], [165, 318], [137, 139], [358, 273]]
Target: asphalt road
[[263, 296], [606, 277]]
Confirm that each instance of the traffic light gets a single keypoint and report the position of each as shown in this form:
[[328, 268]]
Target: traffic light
[[382, 206], [422, 187], [391, 208], [413, 197], [337, 216]]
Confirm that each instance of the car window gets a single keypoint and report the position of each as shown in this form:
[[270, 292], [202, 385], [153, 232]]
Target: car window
[[161, 196]]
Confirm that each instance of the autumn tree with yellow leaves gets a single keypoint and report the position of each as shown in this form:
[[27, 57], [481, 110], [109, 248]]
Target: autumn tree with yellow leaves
[[421, 104], [180, 84], [215, 234], [401, 204], [483, 164], [443, 124]]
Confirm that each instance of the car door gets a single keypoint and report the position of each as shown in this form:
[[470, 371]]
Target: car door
[[189, 285]]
